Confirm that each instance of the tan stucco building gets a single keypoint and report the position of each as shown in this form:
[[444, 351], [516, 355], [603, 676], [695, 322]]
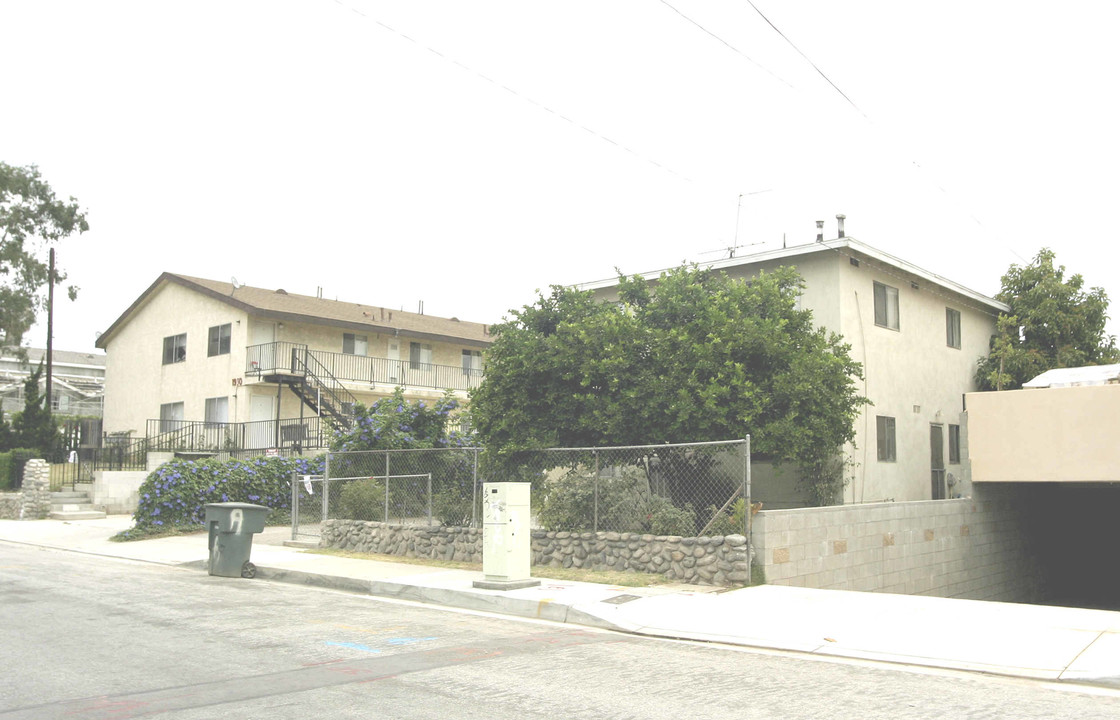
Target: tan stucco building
[[918, 337], [209, 354]]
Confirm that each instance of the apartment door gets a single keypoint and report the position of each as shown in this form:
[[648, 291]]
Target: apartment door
[[262, 426], [937, 461], [394, 362], [263, 352]]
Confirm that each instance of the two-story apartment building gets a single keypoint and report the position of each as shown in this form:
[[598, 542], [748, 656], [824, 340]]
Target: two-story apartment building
[[918, 336], [77, 384], [218, 365]]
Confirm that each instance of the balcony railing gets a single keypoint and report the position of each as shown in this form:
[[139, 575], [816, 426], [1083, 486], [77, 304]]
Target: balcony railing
[[279, 357], [200, 436]]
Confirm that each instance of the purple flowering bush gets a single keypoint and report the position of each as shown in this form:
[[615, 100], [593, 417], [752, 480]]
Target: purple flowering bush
[[174, 496]]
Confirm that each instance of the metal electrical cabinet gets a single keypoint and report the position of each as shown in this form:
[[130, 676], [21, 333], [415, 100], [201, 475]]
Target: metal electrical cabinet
[[505, 531]]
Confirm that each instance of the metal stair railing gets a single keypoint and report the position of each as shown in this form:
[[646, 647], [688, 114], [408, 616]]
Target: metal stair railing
[[334, 399]]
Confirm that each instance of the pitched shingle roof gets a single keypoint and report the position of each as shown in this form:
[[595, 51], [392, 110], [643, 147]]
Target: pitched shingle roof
[[284, 306]]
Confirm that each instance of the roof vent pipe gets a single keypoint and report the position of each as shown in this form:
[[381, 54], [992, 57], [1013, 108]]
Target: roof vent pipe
[[820, 230], [840, 226]]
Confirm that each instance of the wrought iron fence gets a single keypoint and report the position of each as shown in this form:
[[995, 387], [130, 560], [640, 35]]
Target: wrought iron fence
[[200, 436]]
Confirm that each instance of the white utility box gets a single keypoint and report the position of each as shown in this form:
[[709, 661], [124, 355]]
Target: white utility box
[[505, 536]]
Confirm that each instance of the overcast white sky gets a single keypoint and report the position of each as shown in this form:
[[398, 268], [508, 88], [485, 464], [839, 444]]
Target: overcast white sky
[[468, 153]]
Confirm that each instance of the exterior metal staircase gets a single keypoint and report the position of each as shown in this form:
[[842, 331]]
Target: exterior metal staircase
[[321, 391]]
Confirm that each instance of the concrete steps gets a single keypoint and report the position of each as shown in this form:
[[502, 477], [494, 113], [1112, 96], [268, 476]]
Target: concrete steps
[[73, 505]]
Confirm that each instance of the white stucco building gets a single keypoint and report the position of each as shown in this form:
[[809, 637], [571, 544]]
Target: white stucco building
[[918, 337], [229, 366]]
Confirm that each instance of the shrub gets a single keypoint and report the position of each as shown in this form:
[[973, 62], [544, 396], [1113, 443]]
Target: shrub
[[362, 500], [625, 505], [5, 470], [175, 495]]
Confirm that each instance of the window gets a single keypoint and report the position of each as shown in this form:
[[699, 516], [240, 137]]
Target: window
[[884, 427], [218, 343], [174, 349], [472, 363], [170, 416], [886, 306], [217, 410], [355, 344], [419, 356], [954, 444], [953, 328]]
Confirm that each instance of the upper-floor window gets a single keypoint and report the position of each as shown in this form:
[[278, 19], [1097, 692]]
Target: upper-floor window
[[218, 340], [419, 356], [174, 349], [472, 362], [953, 328], [355, 344], [886, 306], [884, 430]]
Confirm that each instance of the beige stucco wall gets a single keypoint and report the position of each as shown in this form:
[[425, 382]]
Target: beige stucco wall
[[1045, 435], [912, 375], [136, 380]]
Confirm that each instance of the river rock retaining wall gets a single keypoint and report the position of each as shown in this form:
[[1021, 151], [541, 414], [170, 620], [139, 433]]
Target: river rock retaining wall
[[716, 560]]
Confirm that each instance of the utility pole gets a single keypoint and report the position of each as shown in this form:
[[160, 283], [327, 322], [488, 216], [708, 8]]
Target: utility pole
[[50, 333]]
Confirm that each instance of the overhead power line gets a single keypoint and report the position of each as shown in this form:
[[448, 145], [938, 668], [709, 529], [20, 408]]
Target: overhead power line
[[511, 91]]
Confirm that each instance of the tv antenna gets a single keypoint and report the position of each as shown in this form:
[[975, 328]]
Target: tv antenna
[[730, 249]]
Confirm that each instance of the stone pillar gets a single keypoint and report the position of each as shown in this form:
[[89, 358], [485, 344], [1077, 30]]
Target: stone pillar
[[36, 503]]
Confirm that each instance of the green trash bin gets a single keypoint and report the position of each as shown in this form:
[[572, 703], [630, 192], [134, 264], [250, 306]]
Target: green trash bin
[[232, 526]]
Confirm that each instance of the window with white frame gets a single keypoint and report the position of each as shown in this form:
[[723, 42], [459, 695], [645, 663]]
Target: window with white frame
[[472, 363], [419, 356], [886, 306], [218, 340], [884, 429], [355, 344], [953, 328], [174, 349], [217, 410], [954, 444]]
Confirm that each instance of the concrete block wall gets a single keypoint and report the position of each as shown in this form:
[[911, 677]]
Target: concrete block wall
[[117, 492], [973, 548]]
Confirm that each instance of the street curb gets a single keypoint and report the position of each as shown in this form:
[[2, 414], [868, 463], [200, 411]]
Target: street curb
[[446, 597]]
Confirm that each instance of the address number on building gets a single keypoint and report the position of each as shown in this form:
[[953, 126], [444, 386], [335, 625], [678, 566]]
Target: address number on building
[[237, 382]]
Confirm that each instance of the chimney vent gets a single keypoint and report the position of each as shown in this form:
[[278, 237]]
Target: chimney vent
[[840, 226], [820, 230]]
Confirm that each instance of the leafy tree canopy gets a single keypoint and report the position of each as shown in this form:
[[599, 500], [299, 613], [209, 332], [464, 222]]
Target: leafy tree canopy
[[697, 356], [393, 423], [31, 217], [1053, 323]]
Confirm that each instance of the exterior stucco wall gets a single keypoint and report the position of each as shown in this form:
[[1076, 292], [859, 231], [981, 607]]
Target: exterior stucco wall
[[1045, 435], [912, 375], [136, 380]]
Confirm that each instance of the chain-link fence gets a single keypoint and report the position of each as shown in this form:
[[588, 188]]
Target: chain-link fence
[[685, 489], [689, 489], [408, 487]]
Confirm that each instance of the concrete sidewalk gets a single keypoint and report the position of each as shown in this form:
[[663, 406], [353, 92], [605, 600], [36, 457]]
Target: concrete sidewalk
[[1050, 643]]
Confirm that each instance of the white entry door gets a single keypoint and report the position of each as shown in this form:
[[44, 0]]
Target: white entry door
[[262, 336], [262, 428], [394, 355]]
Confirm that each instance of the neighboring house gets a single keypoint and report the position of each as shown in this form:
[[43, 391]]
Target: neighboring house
[[918, 337], [77, 388], [220, 366]]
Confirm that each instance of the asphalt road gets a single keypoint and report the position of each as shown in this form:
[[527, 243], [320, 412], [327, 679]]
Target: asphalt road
[[91, 637]]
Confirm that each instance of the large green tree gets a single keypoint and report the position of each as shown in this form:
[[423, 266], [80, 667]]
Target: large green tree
[[31, 218], [696, 356], [1054, 322]]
